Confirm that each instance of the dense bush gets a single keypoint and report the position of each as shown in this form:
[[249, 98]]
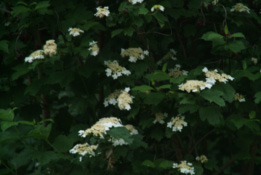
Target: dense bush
[[130, 87]]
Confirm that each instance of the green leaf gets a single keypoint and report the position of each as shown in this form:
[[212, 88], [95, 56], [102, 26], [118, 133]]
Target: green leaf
[[142, 88], [63, 143], [116, 32], [121, 133], [157, 133], [158, 76], [20, 70], [228, 91], [212, 114], [258, 97], [237, 35], [7, 124], [128, 31], [143, 11], [213, 96], [216, 38], [226, 30], [154, 98], [4, 46], [17, 10], [160, 18], [188, 108], [40, 132], [235, 46], [166, 86], [42, 4], [166, 164], [44, 157], [148, 163], [7, 114]]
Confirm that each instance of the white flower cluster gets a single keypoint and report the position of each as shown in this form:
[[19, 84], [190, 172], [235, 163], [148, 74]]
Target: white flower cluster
[[157, 7], [202, 159], [114, 70], [239, 97], [101, 12], [194, 86], [159, 118], [134, 54], [213, 76], [184, 167], [135, 1], [176, 72], [239, 7], [177, 123], [50, 48], [120, 97], [75, 31], [254, 60], [170, 55], [84, 149], [94, 48], [131, 129], [38, 54], [118, 142], [101, 127]]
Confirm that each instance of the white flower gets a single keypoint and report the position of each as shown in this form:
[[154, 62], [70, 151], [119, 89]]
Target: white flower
[[124, 100], [239, 97], [38, 54], [75, 31], [134, 54], [135, 1], [115, 70], [214, 75], [50, 48], [132, 130], [177, 123], [184, 167], [194, 86], [101, 12], [84, 149], [118, 142], [157, 7], [239, 7], [202, 159], [159, 118], [94, 48]]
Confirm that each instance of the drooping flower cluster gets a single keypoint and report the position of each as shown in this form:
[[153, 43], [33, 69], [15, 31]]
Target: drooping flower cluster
[[202, 159], [176, 72], [213, 76], [239, 7], [83, 149], [114, 70], [157, 7], [94, 48], [177, 123], [134, 54], [50, 48], [135, 1], [38, 54], [100, 128], [75, 31], [131, 129], [184, 167], [194, 86], [125, 99], [239, 97], [101, 12], [159, 118], [120, 97], [170, 55]]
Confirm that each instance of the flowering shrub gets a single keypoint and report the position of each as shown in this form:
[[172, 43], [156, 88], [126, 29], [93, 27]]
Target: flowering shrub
[[130, 87]]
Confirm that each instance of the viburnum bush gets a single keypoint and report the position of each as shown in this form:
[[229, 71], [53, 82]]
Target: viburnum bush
[[130, 87]]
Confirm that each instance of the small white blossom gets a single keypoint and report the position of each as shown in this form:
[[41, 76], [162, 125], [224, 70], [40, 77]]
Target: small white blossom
[[94, 48], [239, 7], [135, 1], [75, 31], [185, 167], [114, 70], [157, 7], [38, 54], [159, 118], [177, 123], [101, 12], [202, 159]]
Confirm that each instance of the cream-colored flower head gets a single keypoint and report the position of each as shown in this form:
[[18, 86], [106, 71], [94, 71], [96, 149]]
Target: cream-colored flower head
[[112, 98], [176, 72], [239, 7], [38, 54], [114, 70], [239, 97], [184, 167], [83, 149], [214, 2], [194, 86], [118, 142], [100, 128], [94, 48], [177, 123], [157, 7], [213, 76], [101, 12], [135, 1], [125, 99], [75, 31], [254, 60], [131, 129], [159, 118], [50, 48], [169, 55], [134, 54], [202, 159]]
